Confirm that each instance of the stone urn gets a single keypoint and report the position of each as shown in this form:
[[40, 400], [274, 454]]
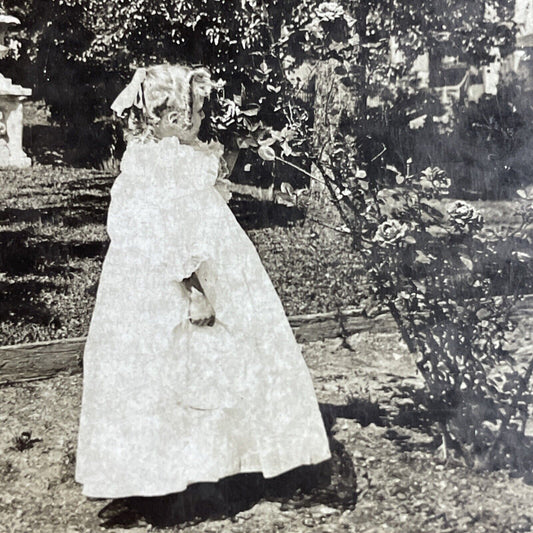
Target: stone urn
[[11, 110]]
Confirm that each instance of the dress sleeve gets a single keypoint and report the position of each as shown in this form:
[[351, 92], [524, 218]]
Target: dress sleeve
[[222, 184], [173, 242], [192, 248], [156, 227]]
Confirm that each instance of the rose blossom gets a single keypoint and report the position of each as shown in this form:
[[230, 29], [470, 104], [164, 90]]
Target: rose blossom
[[390, 232], [464, 217], [438, 179], [329, 11]]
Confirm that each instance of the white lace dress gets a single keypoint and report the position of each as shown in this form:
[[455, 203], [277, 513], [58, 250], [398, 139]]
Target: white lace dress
[[165, 403]]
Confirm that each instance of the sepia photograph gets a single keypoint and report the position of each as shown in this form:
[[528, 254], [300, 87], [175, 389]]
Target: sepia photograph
[[266, 266]]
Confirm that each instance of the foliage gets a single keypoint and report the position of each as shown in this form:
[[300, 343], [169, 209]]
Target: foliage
[[428, 262], [485, 147], [494, 155], [83, 50], [439, 272], [372, 47]]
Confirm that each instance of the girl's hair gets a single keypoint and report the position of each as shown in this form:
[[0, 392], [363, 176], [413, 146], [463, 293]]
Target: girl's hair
[[168, 87]]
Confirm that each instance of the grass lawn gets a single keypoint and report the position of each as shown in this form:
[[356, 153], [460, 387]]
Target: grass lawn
[[53, 240]]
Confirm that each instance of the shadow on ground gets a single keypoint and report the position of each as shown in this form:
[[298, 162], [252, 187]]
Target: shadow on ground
[[20, 301], [24, 252], [405, 415], [332, 483], [57, 222], [256, 214]]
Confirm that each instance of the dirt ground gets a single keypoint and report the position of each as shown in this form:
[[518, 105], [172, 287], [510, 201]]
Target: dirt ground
[[385, 454]]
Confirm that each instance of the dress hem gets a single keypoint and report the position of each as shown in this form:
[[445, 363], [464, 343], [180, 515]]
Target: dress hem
[[132, 493]]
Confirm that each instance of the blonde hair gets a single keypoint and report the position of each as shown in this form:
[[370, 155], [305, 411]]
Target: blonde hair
[[168, 87]]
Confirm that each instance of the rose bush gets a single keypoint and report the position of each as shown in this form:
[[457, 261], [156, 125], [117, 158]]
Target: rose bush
[[426, 262], [436, 179], [433, 267]]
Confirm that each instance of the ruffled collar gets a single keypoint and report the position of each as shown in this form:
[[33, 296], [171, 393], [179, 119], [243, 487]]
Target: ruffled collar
[[173, 143], [170, 156]]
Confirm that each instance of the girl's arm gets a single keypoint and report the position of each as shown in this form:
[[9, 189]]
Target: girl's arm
[[201, 312], [191, 282]]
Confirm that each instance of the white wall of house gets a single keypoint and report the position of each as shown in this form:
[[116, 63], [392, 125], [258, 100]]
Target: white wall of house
[[490, 74], [524, 16]]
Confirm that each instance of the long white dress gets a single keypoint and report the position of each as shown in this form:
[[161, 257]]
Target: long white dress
[[165, 403]]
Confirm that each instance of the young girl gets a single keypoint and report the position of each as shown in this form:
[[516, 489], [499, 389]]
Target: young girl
[[191, 370]]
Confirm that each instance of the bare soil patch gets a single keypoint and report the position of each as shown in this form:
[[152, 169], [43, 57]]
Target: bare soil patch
[[364, 385]]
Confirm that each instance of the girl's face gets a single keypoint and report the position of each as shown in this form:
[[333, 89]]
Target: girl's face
[[170, 124]]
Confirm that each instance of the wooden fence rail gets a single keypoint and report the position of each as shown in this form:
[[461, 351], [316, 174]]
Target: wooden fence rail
[[27, 362]]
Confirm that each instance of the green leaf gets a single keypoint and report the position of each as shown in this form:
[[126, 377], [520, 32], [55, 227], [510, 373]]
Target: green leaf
[[269, 141], [435, 231], [287, 188], [243, 143], [421, 257], [420, 287], [273, 89], [251, 112], [467, 262], [266, 153], [522, 256]]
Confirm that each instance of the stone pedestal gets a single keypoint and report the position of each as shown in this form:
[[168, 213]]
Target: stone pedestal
[[11, 124]]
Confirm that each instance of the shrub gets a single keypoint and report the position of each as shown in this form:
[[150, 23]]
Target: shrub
[[83, 51], [428, 262]]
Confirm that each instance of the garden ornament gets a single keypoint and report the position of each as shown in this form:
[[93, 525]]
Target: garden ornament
[[11, 109]]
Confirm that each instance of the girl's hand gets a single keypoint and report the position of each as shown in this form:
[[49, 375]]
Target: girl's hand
[[201, 312]]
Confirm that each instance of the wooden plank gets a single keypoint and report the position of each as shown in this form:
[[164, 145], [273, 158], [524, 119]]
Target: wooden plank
[[24, 362], [331, 327]]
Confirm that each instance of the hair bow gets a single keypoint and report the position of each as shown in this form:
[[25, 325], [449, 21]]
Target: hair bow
[[132, 95]]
